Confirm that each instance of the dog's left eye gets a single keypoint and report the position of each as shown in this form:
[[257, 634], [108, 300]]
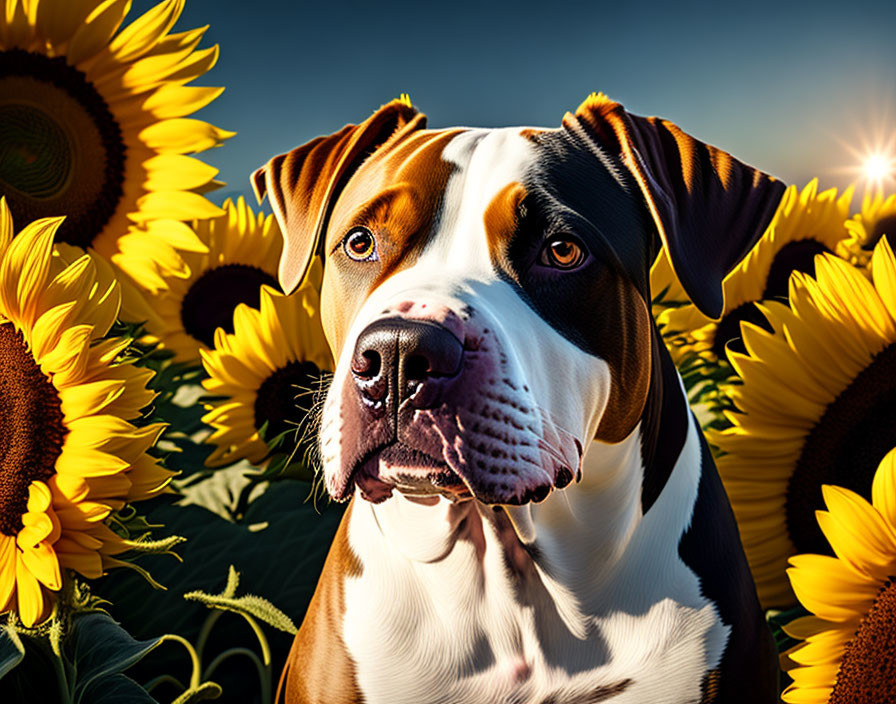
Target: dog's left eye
[[562, 253], [360, 244]]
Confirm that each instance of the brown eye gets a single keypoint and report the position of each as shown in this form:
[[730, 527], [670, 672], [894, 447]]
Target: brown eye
[[562, 253], [359, 244]]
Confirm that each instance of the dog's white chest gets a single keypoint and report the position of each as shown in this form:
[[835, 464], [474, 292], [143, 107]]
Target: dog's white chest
[[444, 620]]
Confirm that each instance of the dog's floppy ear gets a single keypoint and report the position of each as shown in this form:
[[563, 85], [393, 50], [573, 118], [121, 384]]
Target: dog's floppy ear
[[303, 184], [709, 208]]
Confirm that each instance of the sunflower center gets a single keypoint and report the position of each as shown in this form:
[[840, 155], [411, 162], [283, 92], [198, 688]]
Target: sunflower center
[[844, 448], [728, 328], [61, 149], [211, 300], [793, 256], [884, 226], [286, 395], [867, 672], [31, 427]]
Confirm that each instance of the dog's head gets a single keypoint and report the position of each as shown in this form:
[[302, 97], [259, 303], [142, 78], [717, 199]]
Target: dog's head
[[486, 291]]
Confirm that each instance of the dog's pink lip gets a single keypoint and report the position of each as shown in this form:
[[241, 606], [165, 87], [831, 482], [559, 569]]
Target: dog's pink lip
[[436, 479], [397, 466]]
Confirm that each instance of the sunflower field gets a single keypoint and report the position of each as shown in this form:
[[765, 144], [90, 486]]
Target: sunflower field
[[161, 526]]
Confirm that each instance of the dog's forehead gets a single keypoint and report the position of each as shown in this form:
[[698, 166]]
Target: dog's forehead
[[487, 164], [425, 181]]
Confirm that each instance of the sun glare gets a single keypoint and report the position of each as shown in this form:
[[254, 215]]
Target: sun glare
[[869, 153], [878, 168]]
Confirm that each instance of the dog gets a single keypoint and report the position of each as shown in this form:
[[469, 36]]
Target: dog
[[534, 515]]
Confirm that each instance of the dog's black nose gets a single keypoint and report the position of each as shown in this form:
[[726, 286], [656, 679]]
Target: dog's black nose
[[397, 359]]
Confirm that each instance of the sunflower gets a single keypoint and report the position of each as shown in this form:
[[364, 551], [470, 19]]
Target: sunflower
[[196, 292], [817, 406], [68, 453], [848, 653], [806, 223], [262, 369], [93, 120], [665, 287], [878, 218]]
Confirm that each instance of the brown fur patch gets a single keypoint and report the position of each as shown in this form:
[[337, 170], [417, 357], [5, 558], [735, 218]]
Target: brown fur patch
[[500, 217], [396, 194], [710, 687], [595, 696], [623, 327], [319, 669], [303, 183]]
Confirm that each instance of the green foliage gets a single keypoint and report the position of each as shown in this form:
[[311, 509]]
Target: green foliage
[[278, 542], [100, 651], [88, 669], [11, 649], [249, 606]]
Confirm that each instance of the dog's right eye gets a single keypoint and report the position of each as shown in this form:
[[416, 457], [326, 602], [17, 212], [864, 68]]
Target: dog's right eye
[[360, 244], [563, 253]]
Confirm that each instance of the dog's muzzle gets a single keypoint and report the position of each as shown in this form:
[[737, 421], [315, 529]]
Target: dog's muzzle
[[430, 405]]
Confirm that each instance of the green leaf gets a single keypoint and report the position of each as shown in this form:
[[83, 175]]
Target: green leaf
[[99, 648], [11, 649], [115, 689], [220, 491]]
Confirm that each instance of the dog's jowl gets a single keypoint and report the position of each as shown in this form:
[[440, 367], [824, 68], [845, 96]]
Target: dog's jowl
[[534, 514]]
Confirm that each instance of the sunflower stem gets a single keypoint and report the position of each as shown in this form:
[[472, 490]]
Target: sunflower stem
[[195, 675], [61, 678], [161, 679], [264, 670], [206, 630], [262, 640], [266, 655]]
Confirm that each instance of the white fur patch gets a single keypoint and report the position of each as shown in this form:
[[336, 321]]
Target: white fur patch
[[436, 618]]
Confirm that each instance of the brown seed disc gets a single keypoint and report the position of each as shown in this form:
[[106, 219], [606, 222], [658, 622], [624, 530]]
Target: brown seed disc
[[31, 427], [61, 149], [728, 329], [286, 396], [867, 673], [793, 256], [884, 226], [844, 448], [211, 300]]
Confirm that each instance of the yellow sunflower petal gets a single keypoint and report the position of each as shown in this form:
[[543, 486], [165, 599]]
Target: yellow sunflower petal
[[58, 21], [883, 489], [7, 569], [99, 27], [6, 231], [883, 271], [856, 532], [25, 267], [172, 100], [91, 398], [31, 604], [141, 34], [829, 589], [41, 561], [183, 135], [174, 205], [177, 172]]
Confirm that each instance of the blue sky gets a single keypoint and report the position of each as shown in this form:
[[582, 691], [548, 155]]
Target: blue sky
[[781, 86]]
